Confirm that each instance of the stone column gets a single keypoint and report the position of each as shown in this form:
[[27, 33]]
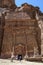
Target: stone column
[[26, 54], [36, 52], [41, 38], [0, 32]]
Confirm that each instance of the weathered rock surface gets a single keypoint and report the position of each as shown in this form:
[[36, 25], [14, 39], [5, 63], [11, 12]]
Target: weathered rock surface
[[21, 31]]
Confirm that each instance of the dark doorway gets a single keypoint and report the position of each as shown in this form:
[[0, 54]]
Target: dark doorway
[[20, 57]]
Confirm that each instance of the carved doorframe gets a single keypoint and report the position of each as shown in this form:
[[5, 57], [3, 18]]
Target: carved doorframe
[[20, 49]]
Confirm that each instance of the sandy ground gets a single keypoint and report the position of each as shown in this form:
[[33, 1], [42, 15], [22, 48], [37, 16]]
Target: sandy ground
[[15, 62]]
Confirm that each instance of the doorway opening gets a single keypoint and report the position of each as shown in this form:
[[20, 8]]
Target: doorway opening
[[20, 57]]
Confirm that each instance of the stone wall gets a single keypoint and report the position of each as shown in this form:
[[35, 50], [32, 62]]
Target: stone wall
[[20, 34], [21, 30]]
